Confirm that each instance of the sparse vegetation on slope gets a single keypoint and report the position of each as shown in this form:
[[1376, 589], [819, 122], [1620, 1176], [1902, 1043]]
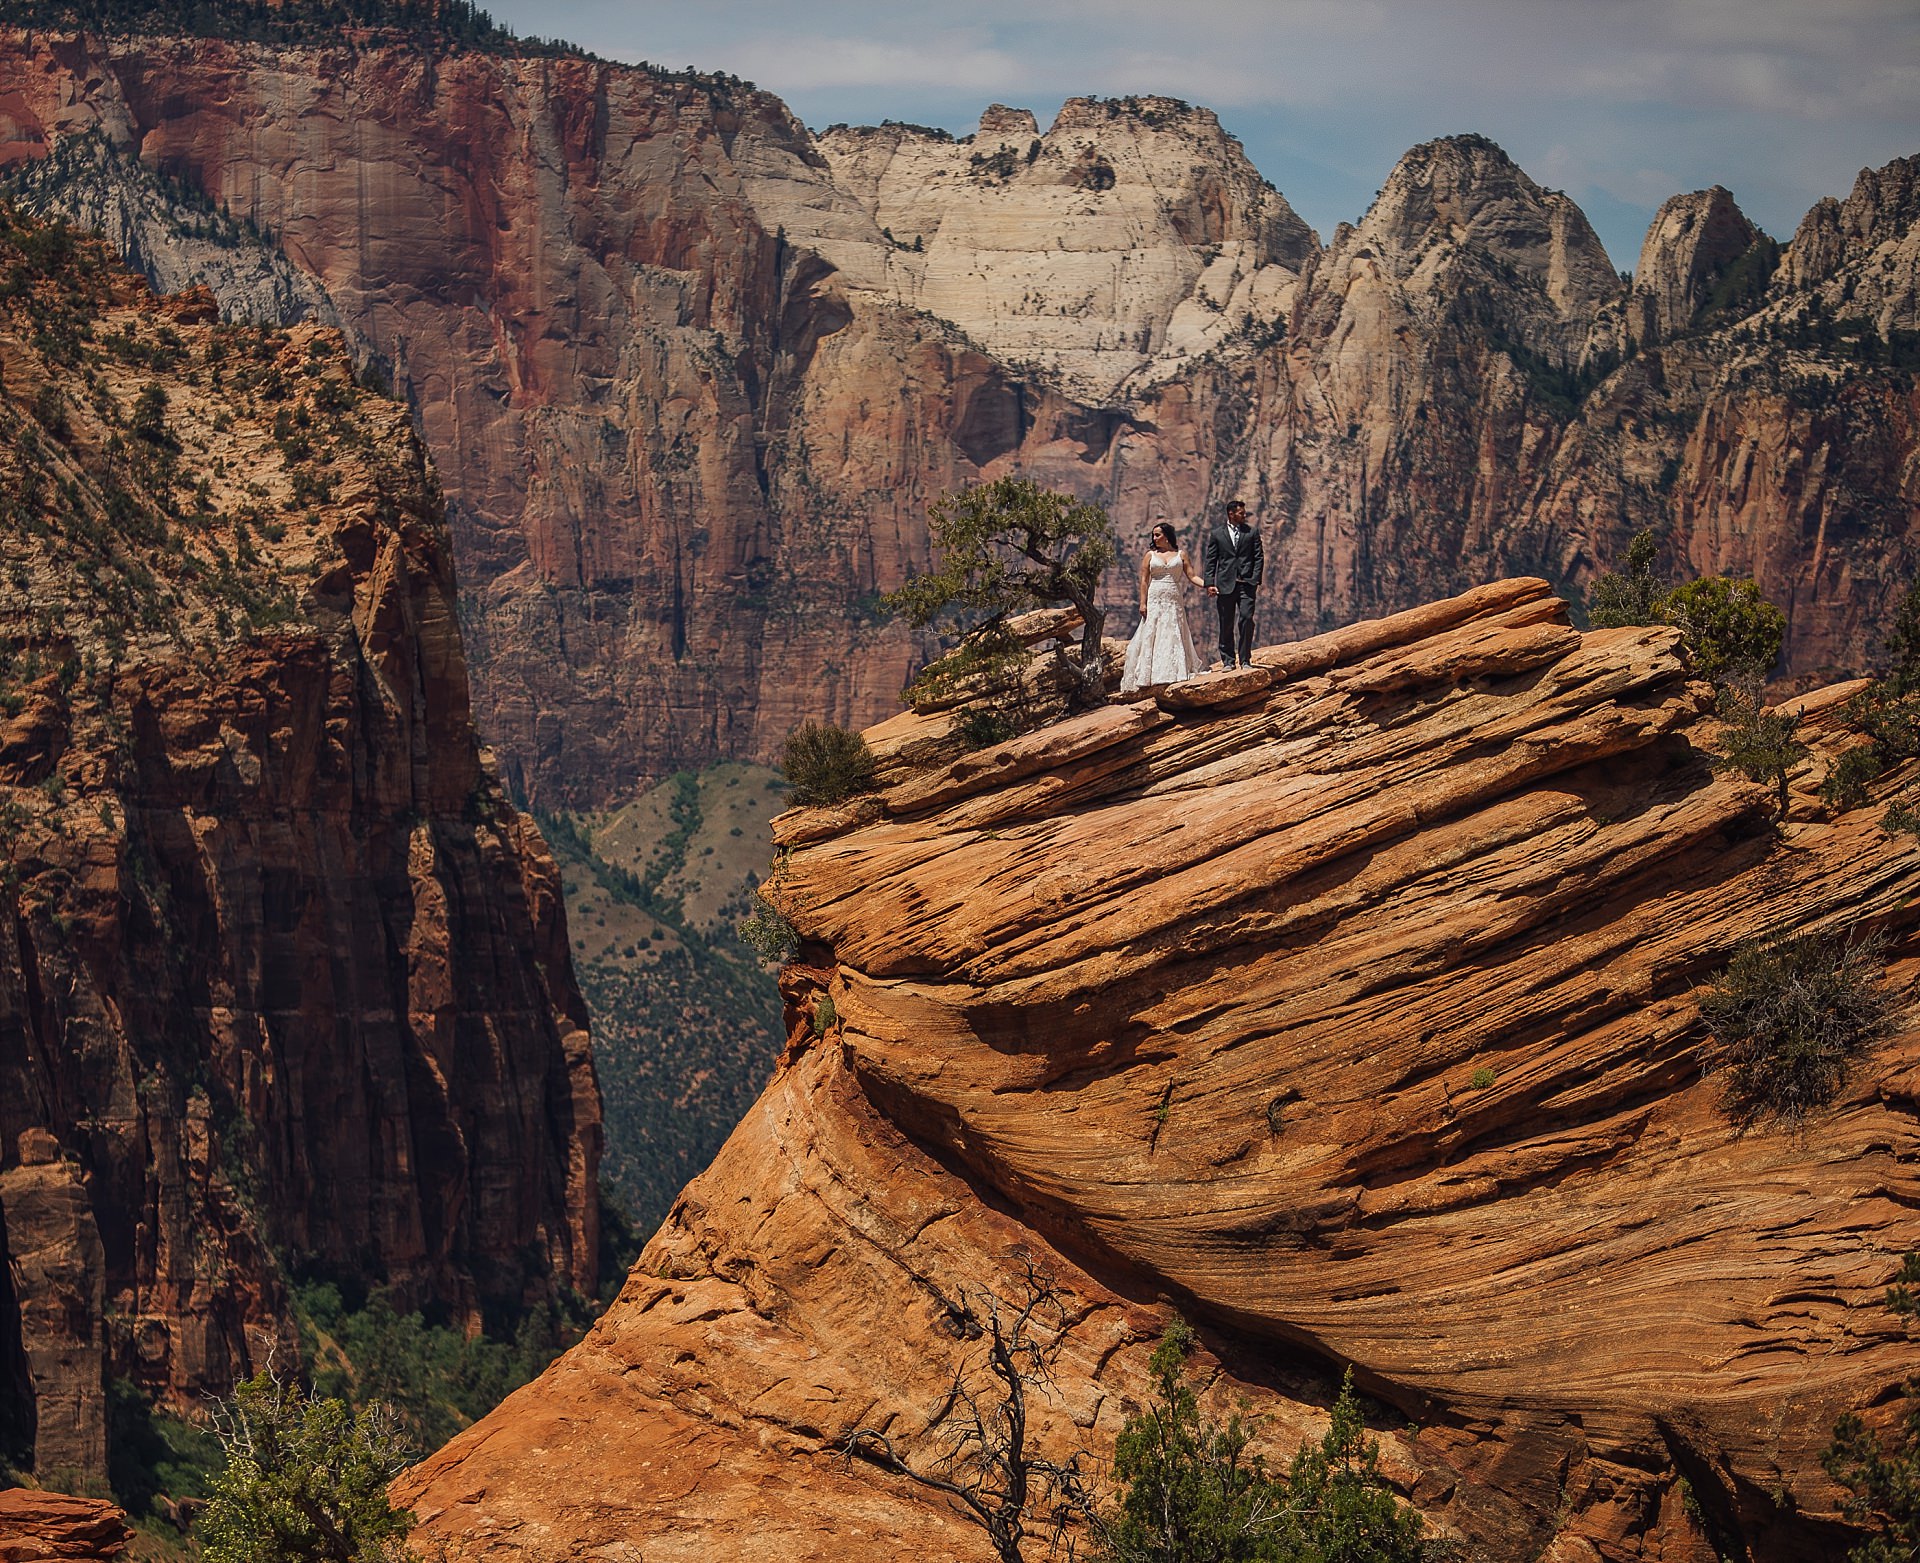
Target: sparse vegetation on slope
[[686, 1018], [441, 24], [1792, 1016]]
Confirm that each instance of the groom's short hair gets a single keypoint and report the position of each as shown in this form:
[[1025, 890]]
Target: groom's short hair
[[1236, 507]]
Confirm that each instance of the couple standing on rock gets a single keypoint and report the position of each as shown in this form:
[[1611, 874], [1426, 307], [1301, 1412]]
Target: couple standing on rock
[[1232, 561]]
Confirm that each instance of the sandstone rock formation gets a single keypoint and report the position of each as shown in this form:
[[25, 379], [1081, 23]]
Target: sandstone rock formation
[[283, 979], [692, 374], [1348, 1004], [51, 1527]]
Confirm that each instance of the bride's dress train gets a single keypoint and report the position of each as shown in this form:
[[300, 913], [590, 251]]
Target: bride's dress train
[[1161, 651]]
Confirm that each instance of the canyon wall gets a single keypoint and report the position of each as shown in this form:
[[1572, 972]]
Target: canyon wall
[[691, 373], [1349, 1005], [284, 988]]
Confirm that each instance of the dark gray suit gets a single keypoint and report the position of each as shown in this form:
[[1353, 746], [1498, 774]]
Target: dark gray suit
[[1234, 568]]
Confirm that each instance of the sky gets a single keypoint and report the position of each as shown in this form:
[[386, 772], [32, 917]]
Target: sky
[[1620, 103]]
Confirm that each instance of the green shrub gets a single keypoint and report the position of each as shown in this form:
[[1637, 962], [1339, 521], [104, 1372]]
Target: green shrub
[[1758, 743], [50, 411], [826, 764], [1196, 1492], [824, 1016], [150, 416], [768, 934], [1632, 596], [306, 1480], [1729, 627], [1849, 777], [1791, 1016], [981, 727]]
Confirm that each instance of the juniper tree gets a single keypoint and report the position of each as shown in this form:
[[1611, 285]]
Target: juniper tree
[[1009, 545]]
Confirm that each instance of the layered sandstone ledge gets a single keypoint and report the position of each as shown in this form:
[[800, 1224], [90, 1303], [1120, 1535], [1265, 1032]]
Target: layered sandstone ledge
[[1346, 1004]]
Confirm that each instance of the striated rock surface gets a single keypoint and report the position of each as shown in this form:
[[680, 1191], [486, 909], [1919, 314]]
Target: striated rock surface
[[1348, 1004], [283, 978], [51, 1527], [692, 374], [170, 233], [1134, 233]]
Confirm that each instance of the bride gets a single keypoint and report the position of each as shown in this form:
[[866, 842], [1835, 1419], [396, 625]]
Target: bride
[[1161, 651]]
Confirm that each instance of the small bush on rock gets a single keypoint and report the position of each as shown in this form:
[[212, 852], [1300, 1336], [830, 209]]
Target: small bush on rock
[[1632, 595], [1758, 743], [769, 935], [826, 764], [1196, 1492], [1792, 1016]]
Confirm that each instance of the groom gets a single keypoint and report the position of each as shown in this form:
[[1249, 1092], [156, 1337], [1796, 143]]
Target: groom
[[1232, 563]]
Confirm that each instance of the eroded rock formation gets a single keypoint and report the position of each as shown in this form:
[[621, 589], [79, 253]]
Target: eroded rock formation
[[283, 978], [692, 374], [51, 1527], [1348, 1004]]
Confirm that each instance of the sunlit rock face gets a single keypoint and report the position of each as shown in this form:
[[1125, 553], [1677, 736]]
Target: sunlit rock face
[[1348, 1004]]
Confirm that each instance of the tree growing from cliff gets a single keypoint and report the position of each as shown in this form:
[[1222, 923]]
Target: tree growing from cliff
[[1731, 631], [1009, 545], [1195, 1492], [1884, 1474], [985, 1461], [306, 1479], [1761, 744]]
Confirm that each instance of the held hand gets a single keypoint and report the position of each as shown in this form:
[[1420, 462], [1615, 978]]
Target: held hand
[[1213, 591]]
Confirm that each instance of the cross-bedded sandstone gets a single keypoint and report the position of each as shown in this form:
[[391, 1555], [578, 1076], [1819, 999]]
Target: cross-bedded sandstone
[[1348, 1005]]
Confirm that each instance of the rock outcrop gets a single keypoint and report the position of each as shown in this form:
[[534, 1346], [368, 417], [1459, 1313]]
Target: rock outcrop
[[1349, 1004], [51, 1527], [693, 374], [283, 978]]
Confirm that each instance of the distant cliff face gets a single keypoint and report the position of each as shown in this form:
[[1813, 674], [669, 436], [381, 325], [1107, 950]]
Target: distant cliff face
[[283, 979], [1351, 1002], [693, 374]]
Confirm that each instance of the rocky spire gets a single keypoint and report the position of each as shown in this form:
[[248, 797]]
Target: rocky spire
[[1694, 242]]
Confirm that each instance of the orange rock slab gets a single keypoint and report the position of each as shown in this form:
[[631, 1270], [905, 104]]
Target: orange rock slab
[[1358, 1021]]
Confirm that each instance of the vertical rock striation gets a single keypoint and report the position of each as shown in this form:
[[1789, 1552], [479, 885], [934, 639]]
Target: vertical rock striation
[[283, 982]]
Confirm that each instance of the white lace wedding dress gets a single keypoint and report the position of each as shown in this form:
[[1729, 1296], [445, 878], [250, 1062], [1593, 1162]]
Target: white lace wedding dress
[[1161, 651]]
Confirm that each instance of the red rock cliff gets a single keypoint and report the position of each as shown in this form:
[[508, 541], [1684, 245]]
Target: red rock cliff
[[1350, 1004], [283, 980], [692, 375]]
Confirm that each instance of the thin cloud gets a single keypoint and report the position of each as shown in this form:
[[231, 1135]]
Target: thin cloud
[[954, 61]]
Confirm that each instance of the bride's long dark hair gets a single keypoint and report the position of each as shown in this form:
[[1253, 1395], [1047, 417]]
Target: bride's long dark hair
[[1173, 538]]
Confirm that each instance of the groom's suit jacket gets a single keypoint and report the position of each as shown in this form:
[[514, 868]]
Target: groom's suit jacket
[[1230, 568]]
